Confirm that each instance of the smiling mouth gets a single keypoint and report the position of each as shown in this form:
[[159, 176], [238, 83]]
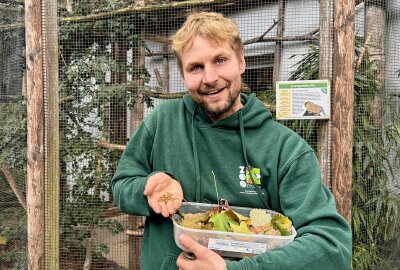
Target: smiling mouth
[[209, 93]]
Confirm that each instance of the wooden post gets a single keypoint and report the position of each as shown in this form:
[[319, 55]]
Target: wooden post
[[139, 54], [375, 27], [35, 138], [52, 137], [137, 114], [165, 77], [343, 104], [278, 45], [325, 73], [118, 111]]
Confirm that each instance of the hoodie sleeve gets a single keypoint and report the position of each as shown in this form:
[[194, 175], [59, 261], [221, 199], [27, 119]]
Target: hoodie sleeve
[[133, 169], [324, 238]]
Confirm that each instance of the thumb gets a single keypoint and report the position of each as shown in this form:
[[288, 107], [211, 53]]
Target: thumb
[[191, 244], [149, 188]]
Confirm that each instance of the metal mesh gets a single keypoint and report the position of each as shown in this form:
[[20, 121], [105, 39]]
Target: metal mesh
[[376, 128], [13, 236], [115, 65]]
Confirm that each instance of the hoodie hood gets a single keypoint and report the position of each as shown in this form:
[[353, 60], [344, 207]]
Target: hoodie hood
[[254, 113]]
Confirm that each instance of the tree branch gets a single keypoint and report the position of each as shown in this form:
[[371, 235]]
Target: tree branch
[[11, 181], [259, 39], [11, 26], [308, 36], [111, 146], [138, 9], [363, 51]]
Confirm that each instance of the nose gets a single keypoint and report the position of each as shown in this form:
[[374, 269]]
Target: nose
[[210, 75]]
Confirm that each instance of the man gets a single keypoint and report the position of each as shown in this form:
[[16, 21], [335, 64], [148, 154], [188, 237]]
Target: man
[[218, 134]]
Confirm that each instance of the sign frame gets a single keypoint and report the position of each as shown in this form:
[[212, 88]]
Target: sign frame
[[306, 99]]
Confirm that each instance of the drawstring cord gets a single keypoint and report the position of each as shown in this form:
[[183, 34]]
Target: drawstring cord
[[196, 159], [248, 168]]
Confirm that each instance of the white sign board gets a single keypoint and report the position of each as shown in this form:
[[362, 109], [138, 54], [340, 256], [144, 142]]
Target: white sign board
[[303, 99]]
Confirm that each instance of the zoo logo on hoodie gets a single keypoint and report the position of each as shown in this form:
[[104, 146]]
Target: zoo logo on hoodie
[[246, 181]]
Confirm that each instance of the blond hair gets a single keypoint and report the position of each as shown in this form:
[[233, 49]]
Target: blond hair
[[210, 25]]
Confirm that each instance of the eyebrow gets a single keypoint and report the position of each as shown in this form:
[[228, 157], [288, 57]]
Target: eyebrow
[[218, 55]]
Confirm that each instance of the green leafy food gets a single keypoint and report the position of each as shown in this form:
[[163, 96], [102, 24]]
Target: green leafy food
[[195, 221], [227, 220], [221, 222], [242, 228], [282, 224]]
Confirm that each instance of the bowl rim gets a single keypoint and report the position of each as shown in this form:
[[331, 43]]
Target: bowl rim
[[264, 236]]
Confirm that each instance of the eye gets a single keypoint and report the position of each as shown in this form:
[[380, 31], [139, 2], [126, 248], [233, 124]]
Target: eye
[[195, 68], [220, 60]]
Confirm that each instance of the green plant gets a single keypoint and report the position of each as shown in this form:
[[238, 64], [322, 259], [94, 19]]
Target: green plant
[[12, 161], [91, 105], [374, 210], [13, 234]]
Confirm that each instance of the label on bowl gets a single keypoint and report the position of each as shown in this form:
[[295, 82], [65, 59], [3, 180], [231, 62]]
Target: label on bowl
[[236, 246]]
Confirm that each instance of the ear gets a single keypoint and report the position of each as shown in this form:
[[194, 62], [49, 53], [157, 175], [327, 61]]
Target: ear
[[242, 63]]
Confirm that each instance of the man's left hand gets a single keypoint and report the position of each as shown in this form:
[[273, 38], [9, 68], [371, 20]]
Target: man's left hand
[[206, 259]]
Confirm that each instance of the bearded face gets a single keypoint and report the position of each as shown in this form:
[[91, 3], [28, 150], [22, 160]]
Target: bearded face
[[212, 74]]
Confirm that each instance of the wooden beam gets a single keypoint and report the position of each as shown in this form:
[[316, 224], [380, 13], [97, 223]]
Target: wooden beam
[[279, 45], [52, 136], [375, 27], [343, 104], [35, 138], [137, 114], [325, 73], [138, 9], [134, 9]]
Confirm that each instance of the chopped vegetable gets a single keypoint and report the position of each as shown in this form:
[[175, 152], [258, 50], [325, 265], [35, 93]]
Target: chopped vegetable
[[259, 217], [227, 220]]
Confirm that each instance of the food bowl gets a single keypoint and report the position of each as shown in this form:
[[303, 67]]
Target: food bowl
[[229, 244]]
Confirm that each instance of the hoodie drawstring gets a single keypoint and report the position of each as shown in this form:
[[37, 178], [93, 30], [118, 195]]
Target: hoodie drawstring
[[248, 168], [196, 159]]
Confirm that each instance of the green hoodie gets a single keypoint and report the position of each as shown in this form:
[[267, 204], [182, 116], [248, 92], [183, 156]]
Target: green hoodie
[[178, 138]]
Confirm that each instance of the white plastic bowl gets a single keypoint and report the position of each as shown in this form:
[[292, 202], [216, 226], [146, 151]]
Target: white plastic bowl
[[229, 244]]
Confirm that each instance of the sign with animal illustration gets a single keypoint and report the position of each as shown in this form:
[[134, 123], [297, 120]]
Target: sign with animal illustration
[[303, 99]]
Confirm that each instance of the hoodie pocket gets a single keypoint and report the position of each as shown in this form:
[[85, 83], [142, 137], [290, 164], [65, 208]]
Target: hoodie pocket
[[169, 262]]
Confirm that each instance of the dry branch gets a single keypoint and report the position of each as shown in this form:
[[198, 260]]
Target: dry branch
[[11, 181], [308, 36], [363, 51], [261, 38], [258, 39], [111, 146], [126, 11], [163, 95], [11, 26], [66, 98], [138, 9], [156, 38], [135, 233]]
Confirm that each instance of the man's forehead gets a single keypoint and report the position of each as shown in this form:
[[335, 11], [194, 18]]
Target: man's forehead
[[214, 43]]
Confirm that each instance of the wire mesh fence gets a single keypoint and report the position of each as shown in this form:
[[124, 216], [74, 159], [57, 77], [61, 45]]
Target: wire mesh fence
[[13, 228], [116, 65]]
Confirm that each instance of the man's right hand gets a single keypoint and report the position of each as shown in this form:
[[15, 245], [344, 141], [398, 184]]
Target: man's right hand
[[164, 194]]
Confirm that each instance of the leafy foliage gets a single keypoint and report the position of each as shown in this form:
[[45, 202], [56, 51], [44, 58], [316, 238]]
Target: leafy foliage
[[14, 239], [374, 209], [13, 134], [88, 97], [306, 69]]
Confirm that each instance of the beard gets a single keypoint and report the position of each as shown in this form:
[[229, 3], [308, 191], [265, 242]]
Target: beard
[[215, 112]]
